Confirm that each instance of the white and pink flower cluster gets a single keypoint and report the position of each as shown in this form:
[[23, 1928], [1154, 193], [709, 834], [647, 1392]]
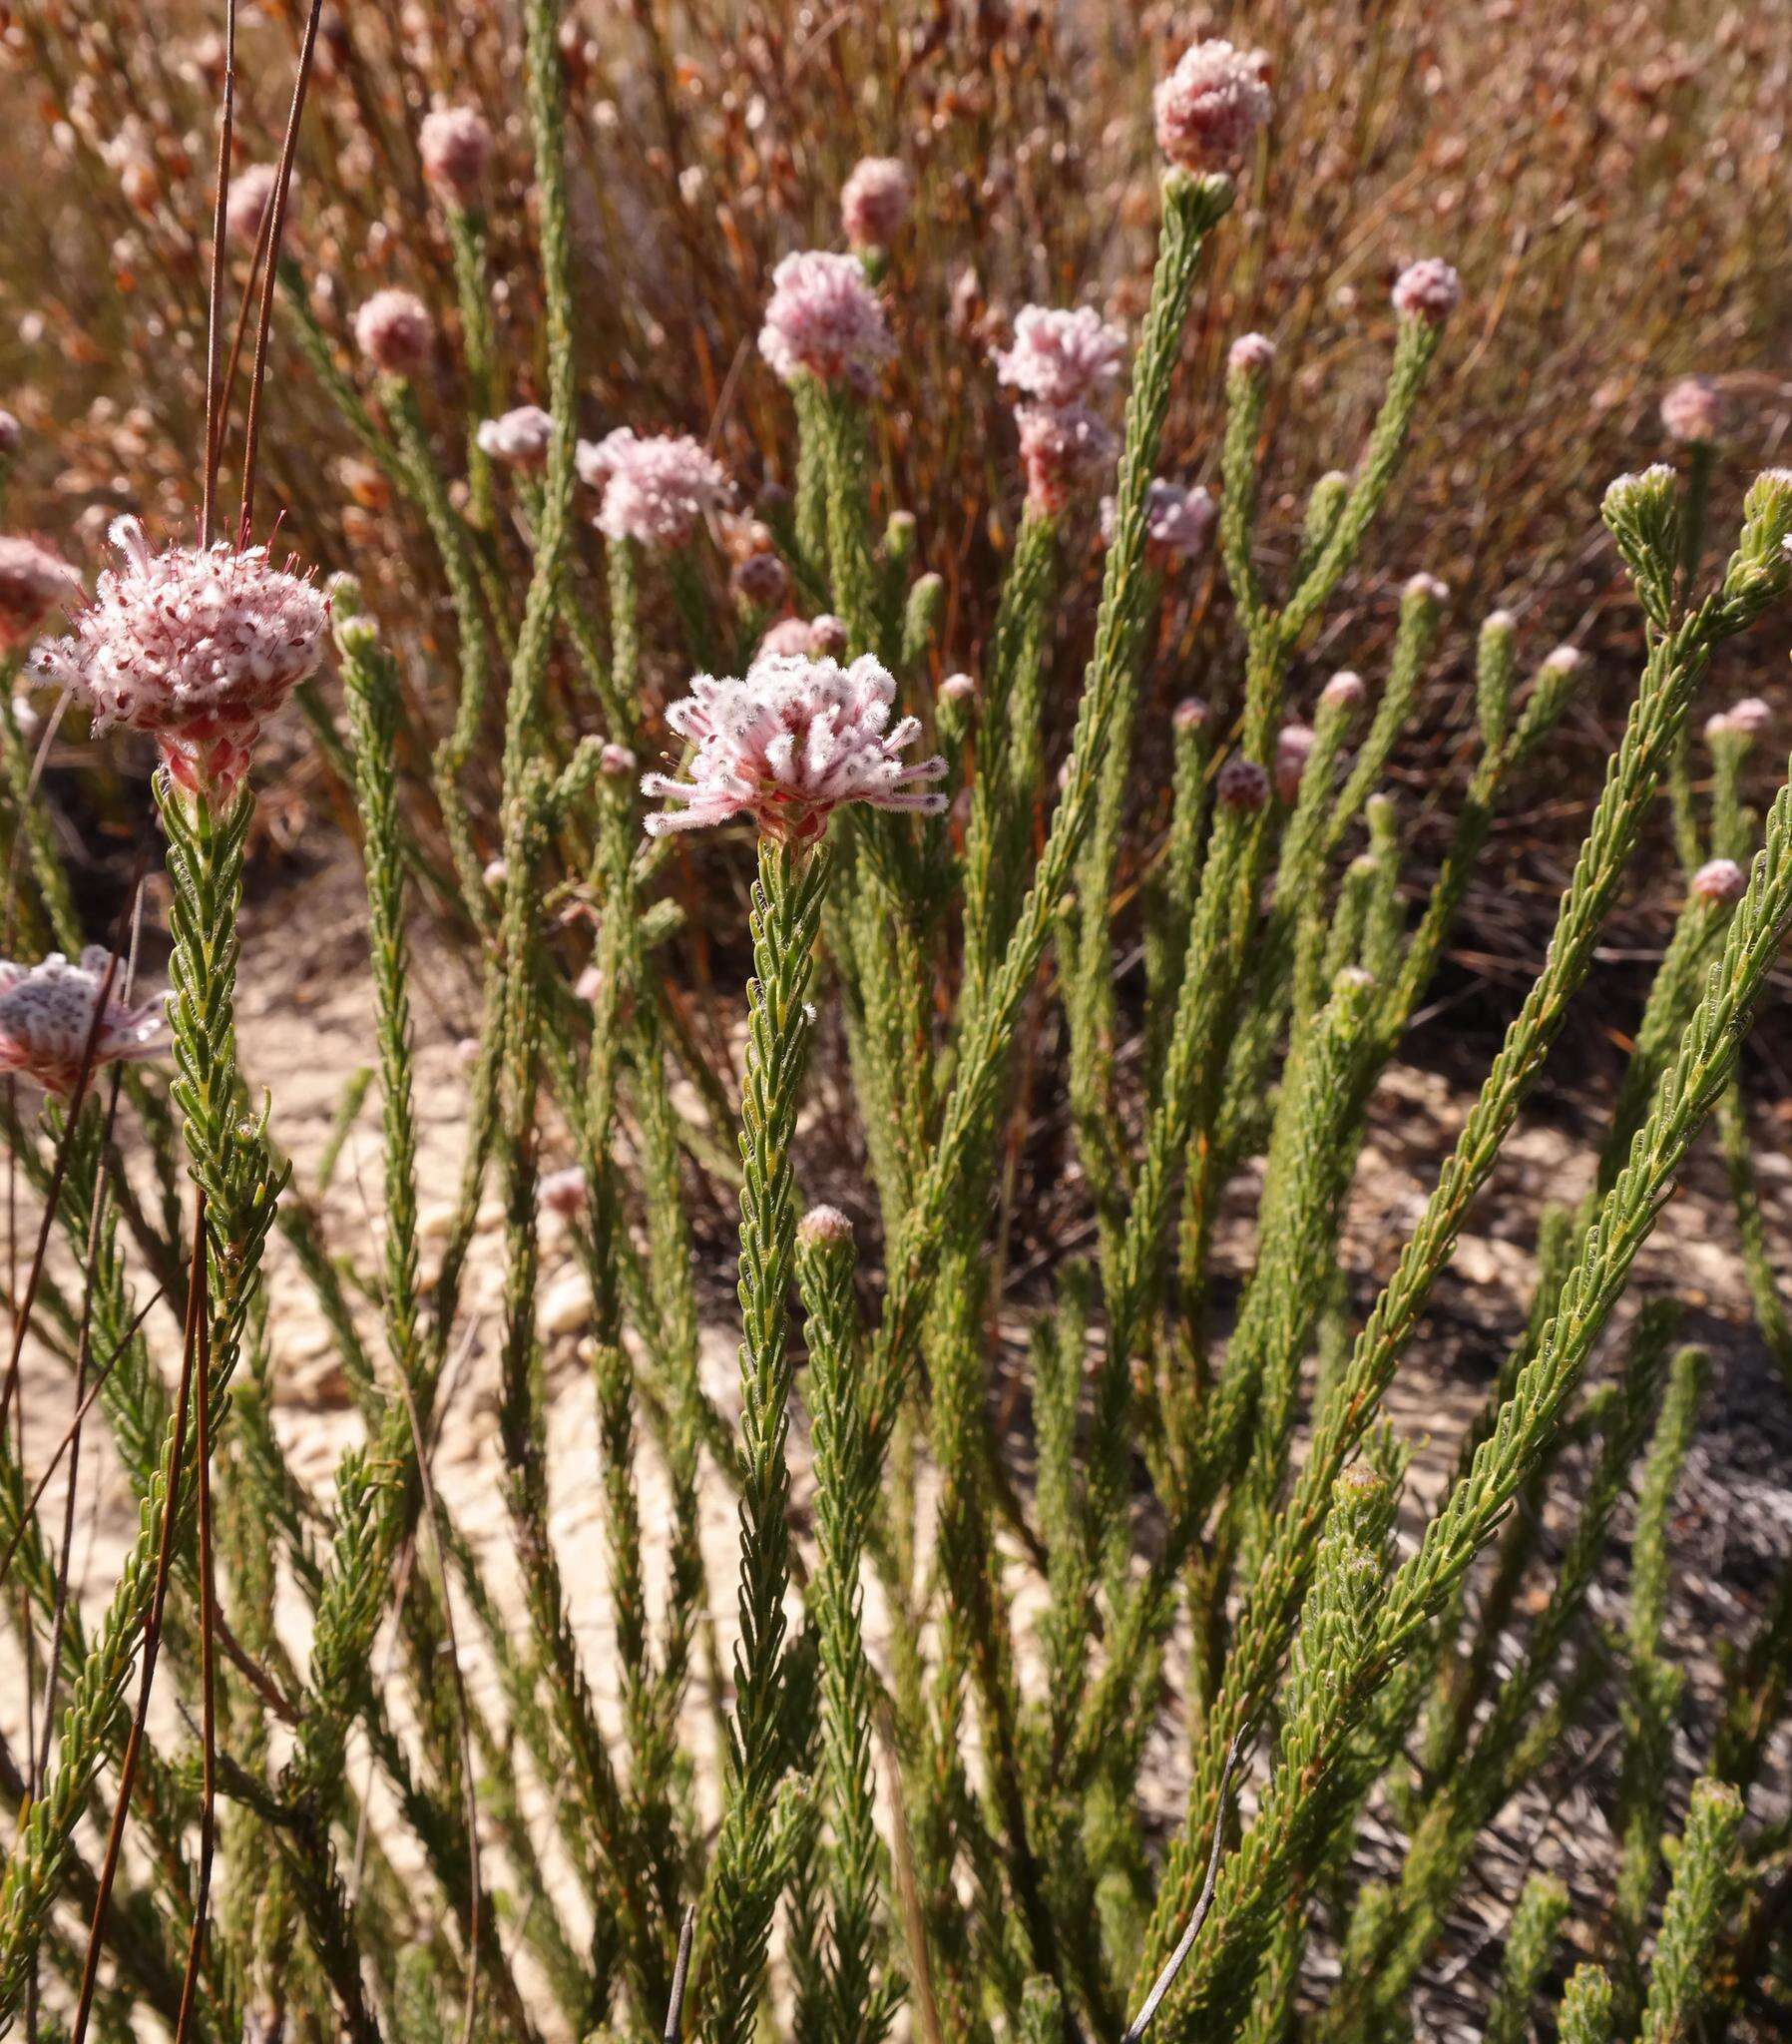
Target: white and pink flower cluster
[[823, 320], [1178, 522], [1211, 105], [34, 579], [519, 439], [1061, 362], [787, 744], [657, 488], [196, 645], [47, 1014], [875, 202]]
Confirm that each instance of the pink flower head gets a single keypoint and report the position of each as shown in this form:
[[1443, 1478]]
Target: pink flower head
[[1429, 290], [34, 579], [1719, 880], [789, 745], [656, 490], [1065, 449], [1178, 522], [393, 330], [823, 1227], [1293, 747], [196, 645], [1751, 716], [875, 202], [1191, 714], [823, 320], [520, 438], [455, 144], [1211, 105], [1694, 411], [1251, 354], [1345, 689], [1061, 358], [563, 1193], [246, 203], [47, 1013], [760, 579], [1242, 784]]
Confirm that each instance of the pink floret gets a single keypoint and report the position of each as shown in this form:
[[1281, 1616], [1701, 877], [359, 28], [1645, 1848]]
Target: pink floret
[[1211, 105], [47, 1014], [823, 320], [656, 490], [196, 645], [787, 744], [1061, 358]]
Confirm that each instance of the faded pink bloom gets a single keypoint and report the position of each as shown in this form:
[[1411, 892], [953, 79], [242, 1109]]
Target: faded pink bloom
[[1211, 105], [823, 320], [1293, 747], [1178, 522], [246, 203], [1251, 354], [787, 744], [1065, 449], [196, 645], [1061, 358], [760, 579], [958, 689], [875, 202], [562, 1192], [455, 144], [1694, 411], [1345, 689], [393, 330], [1719, 880], [656, 490], [520, 438], [34, 579], [1751, 716], [47, 1013], [1242, 784], [616, 760], [1191, 714], [1429, 290]]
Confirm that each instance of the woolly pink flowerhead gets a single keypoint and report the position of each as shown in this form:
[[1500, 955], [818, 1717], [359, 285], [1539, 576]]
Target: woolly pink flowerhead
[[563, 1193], [1719, 880], [1251, 354], [1751, 716], [245, 206], [875, 202], [1178, 522], [1293, 747], [1242, 784], [823, 320], [1429, 290], [519, 439], [1061, 358], [760, 579], [787, 744], [1066, 449], [34, 579], [47, 1013], [392, 330], [1694, 411], [455, 144], [823, 1227], [1211, 105], [196, 645], [656, 490], [1344, 691]]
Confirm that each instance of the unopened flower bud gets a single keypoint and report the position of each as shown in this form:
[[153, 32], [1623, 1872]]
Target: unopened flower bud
[[1719, 880], [823, 1227], [1251, 354], [1423, 588], [958, 689], [1242, 785], [455, 144], [1344, 691], [1293, 747], [827, 635], [1190, 715], [617, 762], [875, 202], [1429, 290], [392, 330], [760, 579]]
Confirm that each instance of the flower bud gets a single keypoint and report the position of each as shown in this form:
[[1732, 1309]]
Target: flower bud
[[823, 1227], [1344, 691], [1242, 787], [1719, 880], [1429, 290], [392, 330]]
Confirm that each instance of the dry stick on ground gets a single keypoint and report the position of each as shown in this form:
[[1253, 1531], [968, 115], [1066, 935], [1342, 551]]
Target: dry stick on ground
[[1186, 1944]]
